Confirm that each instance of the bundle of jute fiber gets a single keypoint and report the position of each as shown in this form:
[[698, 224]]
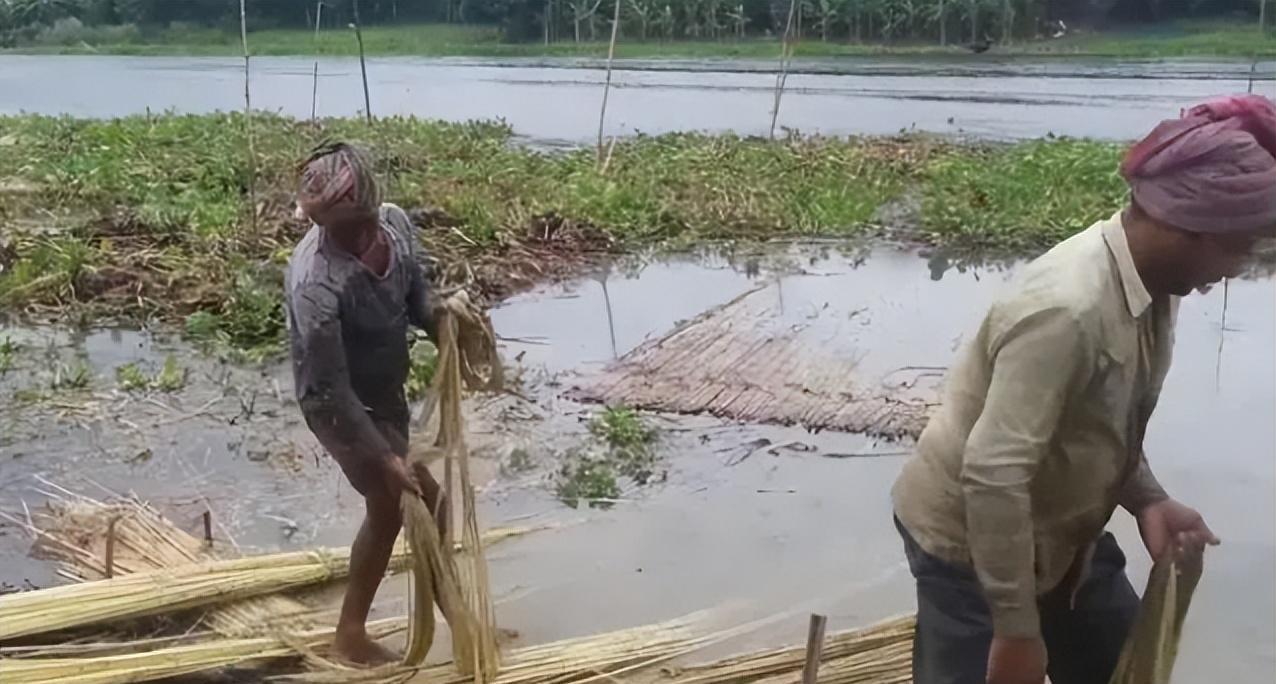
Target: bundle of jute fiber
[[1151, 649], [467, 346]]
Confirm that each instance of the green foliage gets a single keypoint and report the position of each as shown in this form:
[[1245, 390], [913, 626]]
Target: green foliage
[[649, 28], [423, 358], [171, 377], [131, 378], [587, 478], [153, 217], [49, 269], [1023, 196], [77, 375], [8, 354], [624, 450]]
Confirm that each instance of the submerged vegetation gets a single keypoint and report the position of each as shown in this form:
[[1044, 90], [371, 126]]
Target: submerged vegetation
[[132, 377], [147, 217], [622, 448]]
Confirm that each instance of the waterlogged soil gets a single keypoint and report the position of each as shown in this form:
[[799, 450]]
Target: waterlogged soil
[[764, 519], [555, 101]]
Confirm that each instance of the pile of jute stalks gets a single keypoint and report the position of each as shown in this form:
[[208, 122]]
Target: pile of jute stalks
[[171, 607]]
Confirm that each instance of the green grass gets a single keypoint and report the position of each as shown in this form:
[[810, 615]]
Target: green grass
[[131, 377], [1222, 39], [1177, 39], [1022, 196], [76, 375], [147, 217], [9, 351]]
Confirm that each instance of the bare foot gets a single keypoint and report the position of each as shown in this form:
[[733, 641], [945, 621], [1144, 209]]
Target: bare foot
[[361, 650]]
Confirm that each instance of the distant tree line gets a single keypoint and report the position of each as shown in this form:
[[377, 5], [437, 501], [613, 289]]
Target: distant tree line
[[943, 21]]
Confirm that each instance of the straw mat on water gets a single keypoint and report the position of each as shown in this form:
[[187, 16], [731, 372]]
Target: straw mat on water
[[743, 362]]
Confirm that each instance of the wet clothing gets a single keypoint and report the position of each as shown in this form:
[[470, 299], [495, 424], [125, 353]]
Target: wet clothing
[[1083, 636], [348, 329], [1040, 435], [1213, 170]]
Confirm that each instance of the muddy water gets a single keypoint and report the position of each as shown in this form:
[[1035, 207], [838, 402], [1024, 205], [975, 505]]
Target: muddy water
[[556, 100], [782, 529]]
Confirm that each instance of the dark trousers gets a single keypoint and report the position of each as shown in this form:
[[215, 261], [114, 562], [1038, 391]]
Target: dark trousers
[[954, 628]]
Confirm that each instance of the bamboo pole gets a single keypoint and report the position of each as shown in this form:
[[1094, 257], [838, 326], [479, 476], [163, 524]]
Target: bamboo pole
[[248, 123], [814, 649], [314, 83], [786, 51], [611, 55], [363, 65]]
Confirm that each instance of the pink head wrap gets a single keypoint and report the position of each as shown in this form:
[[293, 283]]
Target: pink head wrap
[[1213, 170], [337, 173]]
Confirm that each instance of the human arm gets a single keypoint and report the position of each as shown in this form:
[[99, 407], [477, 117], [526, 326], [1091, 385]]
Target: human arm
[[420, 301], [1039, 362]]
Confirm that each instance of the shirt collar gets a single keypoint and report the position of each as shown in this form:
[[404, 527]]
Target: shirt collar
[[1137, 298]]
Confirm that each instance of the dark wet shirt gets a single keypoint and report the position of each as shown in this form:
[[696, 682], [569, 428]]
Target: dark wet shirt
[[348, 329]]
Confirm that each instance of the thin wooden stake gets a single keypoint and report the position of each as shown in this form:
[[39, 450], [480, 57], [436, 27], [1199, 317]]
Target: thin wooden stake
[[208, 527], [786, 53], [314, 87], [814, 649], [1222, 335], [611, 54], [248, 123], [110, 547], [363, 65]]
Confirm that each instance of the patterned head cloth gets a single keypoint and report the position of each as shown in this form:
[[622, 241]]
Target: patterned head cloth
[[337, 173], [1213, 170]]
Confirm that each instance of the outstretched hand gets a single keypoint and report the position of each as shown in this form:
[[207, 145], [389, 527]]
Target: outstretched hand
[[1169, 525]]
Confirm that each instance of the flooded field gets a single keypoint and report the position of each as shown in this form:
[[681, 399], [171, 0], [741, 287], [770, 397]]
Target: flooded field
[[555, 101], [770, 517]]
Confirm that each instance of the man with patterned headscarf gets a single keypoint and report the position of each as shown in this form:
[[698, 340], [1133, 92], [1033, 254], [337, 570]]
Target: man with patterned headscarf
[[354, 284], [1040, 437]]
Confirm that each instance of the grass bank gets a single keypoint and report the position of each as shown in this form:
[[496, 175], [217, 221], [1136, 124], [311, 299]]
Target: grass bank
[[440, 40], [149, 218]]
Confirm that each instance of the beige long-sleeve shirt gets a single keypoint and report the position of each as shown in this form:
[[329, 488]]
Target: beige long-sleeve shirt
[[1040, 435]]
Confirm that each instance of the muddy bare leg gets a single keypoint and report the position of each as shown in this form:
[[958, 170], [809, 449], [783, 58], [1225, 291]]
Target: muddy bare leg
[[369, 557]]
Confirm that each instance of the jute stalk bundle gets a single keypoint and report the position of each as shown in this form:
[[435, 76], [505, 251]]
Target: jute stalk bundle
[[1152, 647], [873, 651], [171, 661], [75, 530], [156, 592], [162, 575]]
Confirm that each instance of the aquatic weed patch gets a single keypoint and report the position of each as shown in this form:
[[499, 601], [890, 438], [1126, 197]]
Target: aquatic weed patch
[[148, 217]]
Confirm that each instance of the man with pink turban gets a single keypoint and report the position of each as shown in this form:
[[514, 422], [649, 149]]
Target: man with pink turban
[[354, 284], [1040, 437]]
